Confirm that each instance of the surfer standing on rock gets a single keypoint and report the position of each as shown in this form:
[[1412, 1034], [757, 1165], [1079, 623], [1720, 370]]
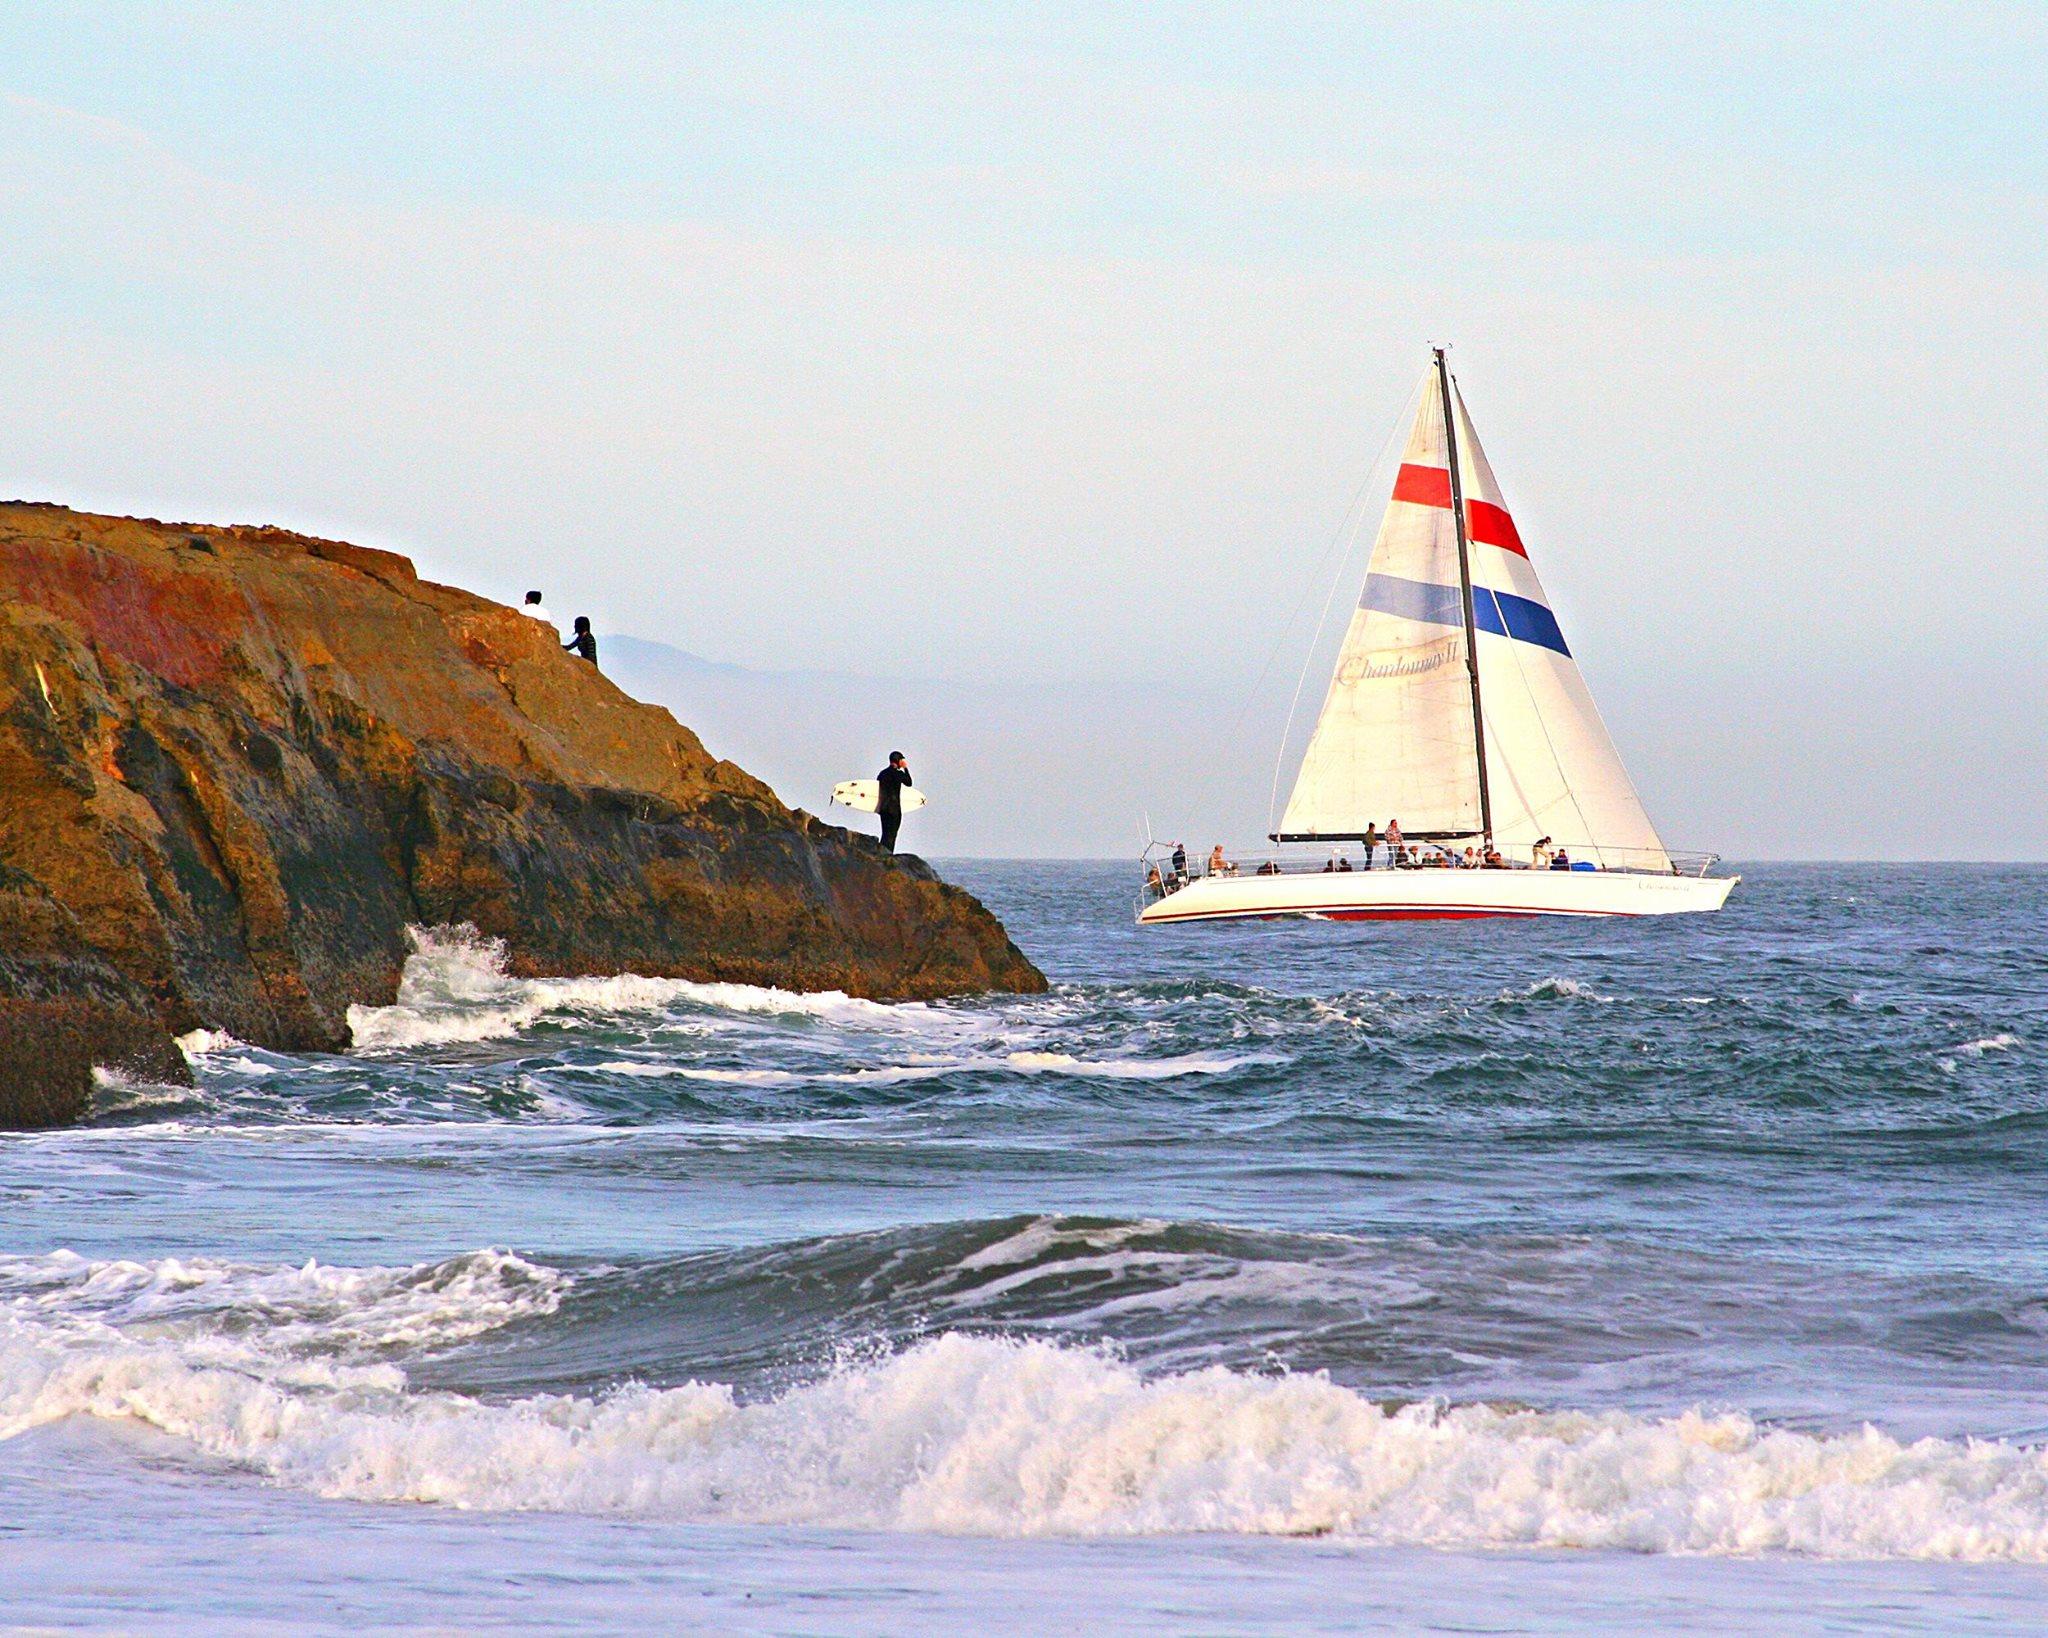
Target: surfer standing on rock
[[889, 801]]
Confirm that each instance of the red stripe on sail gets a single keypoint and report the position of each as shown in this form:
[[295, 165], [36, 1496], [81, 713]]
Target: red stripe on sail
[[1491, 526], [1486, 523], [1424, 485]]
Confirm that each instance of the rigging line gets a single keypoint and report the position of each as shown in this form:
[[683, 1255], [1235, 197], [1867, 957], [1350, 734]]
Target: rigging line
[[1346, 534], [1346, 537]]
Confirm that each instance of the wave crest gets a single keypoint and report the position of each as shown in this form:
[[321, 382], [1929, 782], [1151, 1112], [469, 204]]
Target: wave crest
[[975, 1435]]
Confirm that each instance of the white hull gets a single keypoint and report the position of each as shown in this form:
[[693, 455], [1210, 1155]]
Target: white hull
[[1438, 895]]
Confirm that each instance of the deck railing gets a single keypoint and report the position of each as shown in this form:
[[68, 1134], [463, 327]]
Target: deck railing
[[1162, 877]]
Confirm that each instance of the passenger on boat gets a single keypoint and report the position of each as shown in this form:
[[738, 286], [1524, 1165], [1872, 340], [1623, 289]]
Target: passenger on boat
[[1563, 860], [1329, 867], [1493, 860], [1180, 862], [1153, 883], [1471, 859], [1270, 868], [1218, 865], [1372, 840], [1392, 837], [1539, 855], [1343, 865]]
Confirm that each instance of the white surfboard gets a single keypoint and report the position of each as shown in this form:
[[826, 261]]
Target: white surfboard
[[865, 795]]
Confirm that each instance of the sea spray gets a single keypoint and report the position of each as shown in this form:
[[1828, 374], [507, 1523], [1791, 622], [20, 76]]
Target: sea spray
[[455, 988]]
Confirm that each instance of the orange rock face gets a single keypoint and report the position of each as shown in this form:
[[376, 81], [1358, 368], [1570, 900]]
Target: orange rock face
[[236, 763]]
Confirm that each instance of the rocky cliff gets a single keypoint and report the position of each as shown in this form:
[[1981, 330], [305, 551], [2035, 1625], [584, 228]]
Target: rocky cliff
[[236, 763]]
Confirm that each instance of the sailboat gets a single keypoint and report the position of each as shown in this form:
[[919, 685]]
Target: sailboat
[[1458, 712]]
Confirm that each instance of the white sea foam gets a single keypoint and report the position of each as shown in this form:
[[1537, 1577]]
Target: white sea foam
[[116, 1091], [1990, 1043], [1138, 1069], [790, 1077], [455, 989], [1556, 989], [1022, 1062], [274, 1310], [199, 1043], [974, 1435], [1147, 1276]]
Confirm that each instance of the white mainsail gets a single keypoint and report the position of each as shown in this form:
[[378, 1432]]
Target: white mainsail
[[1395, 736]]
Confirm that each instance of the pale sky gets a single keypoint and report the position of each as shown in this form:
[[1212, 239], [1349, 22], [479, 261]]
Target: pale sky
[[1020, 345]]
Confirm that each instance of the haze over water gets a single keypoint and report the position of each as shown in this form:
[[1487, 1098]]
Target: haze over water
[[1292, 1276]]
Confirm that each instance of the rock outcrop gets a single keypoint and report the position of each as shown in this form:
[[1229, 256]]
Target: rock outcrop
[[235, 763]]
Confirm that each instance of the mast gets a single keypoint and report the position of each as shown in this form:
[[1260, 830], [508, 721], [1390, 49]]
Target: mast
[[1443, 382]]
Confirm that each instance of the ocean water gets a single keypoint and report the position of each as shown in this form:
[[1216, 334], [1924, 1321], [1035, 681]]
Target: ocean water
[[1482, 1277]]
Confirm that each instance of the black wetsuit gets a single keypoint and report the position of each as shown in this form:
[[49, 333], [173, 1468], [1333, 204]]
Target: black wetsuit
[[583, 644], [889, 804]]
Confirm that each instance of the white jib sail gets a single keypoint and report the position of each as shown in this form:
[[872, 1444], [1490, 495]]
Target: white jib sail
[[1551, 768]]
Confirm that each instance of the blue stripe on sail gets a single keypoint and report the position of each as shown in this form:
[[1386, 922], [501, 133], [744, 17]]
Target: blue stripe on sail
[[1412, 600], [1502, 613], [1529, 621]]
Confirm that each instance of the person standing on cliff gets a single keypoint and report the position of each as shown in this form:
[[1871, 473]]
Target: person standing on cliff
[[535, 607], [889, 801], [583, 643]]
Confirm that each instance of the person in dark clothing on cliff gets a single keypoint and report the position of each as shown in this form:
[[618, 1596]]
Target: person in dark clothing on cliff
[[889, 804], [583, 643]]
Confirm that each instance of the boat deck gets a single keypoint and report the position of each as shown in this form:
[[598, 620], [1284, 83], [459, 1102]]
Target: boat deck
[[1277, 886]]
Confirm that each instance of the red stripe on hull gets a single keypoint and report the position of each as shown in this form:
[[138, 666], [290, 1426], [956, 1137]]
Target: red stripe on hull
[[1397, 914], [1486, 523], [1389, 912]]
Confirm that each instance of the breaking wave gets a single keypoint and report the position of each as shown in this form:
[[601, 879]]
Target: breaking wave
[[286, 1372], [456, 989]]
